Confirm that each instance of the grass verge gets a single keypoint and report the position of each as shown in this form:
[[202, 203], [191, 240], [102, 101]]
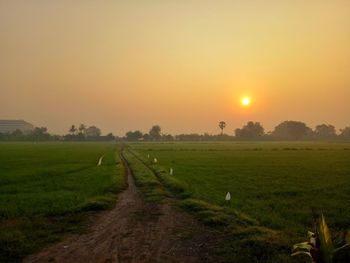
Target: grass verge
[[150, 187]]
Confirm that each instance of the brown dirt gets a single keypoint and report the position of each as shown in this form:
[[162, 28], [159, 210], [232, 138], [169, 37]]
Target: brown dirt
[[135, 231]]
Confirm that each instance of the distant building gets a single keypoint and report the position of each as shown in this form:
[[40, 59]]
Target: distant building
[[9, 126]]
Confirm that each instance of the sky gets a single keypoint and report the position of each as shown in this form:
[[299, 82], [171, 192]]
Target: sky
[[184, 64]]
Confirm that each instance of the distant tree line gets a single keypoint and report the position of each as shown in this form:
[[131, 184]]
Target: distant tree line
[[82, 133], [154, 134], [291, 130], [287, 130], [37, 134]]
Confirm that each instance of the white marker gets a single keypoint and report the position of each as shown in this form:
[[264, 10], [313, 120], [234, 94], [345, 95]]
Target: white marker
[[100, 160], [148, 156], [155, 160], [228, 196], [171, 171]]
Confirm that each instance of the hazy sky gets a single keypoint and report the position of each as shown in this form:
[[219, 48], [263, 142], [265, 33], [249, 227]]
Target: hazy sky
[[184, 65]]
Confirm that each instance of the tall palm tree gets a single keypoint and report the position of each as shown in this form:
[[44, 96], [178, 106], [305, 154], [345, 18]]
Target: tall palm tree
[[73, 129], [222, 126]]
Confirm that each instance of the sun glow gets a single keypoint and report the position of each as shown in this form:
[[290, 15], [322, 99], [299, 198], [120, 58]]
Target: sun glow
[[245, 101]]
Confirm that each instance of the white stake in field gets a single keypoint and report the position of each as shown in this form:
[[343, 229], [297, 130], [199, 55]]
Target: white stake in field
[[171, 171], [228, 196], [100, 161]]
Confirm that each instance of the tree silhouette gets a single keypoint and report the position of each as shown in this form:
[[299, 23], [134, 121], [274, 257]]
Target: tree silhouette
[[133, 136], [155, 132], [251, 131], [345, 133], [82, 128], [73, 129], [222, 126], [40, 133], [17, 133], [325, 131], [291, 130], [93, 131]]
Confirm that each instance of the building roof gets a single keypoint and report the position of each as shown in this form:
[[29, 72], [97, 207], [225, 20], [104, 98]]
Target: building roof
[[9, 126], [14, 122]]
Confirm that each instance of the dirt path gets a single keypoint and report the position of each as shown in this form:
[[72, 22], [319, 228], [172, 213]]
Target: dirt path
[[135, 231]]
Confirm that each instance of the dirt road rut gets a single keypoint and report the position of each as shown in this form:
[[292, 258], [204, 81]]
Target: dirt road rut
[[135, 231]]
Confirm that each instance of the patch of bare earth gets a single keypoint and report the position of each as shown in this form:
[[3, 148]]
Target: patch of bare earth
[[135, 231]]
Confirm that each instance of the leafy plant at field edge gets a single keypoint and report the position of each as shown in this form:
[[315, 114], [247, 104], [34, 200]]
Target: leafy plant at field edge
[[320, 247]]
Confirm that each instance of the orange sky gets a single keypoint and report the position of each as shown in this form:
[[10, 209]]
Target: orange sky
[[184, 65]]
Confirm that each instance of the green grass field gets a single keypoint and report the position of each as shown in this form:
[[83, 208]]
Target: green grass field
[[47, 188], [278, 185]]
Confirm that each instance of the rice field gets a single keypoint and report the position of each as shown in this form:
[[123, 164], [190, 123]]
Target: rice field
[[274, 188], [46, 188], [278, 185]]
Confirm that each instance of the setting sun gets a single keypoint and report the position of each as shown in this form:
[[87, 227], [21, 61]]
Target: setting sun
[[246, 101]]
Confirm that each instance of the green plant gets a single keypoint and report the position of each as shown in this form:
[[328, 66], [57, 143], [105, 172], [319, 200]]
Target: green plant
[[320, 247]]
